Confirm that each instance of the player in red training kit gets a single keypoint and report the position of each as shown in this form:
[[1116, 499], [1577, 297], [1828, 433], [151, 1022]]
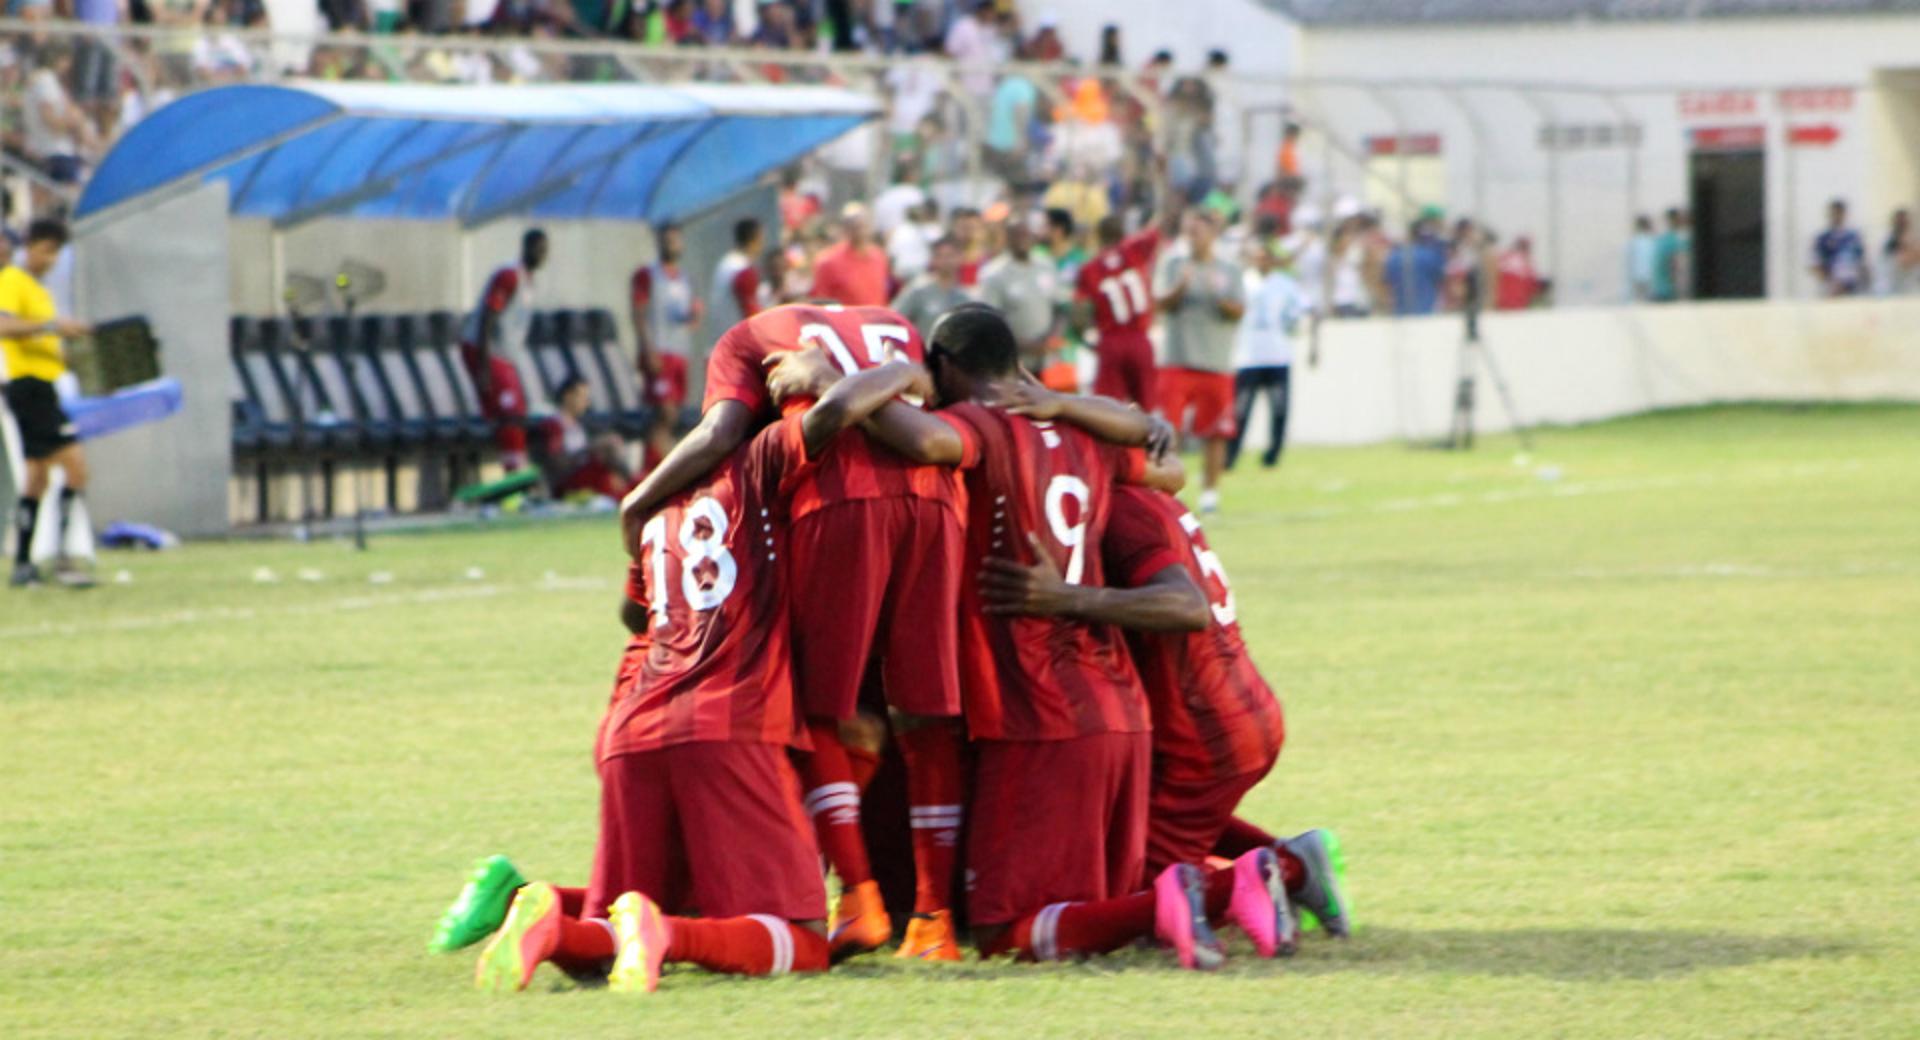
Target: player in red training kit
[[1217, 727], [699, 807], [1055, 709], [876, 548], [1114, 294]]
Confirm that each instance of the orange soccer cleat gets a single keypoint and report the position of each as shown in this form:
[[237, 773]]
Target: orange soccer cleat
[[930, 938], [860, 922]]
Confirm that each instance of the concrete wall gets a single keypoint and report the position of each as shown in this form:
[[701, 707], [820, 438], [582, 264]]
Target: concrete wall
[[172, 473], [1505, 176], [1382, 380]]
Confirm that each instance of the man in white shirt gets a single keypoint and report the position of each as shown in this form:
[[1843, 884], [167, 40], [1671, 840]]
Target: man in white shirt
[[1279, 313]]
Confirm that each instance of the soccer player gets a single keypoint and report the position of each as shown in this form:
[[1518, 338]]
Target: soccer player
[[493, 343], [736, 278], [1114, 296], [1057, 848], [1217, 727], [666, 315], [30, 335], [876, 571], [699, 806], [1203, 296]]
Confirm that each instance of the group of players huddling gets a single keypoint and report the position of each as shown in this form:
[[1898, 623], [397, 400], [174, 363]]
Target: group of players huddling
[[863, 525]]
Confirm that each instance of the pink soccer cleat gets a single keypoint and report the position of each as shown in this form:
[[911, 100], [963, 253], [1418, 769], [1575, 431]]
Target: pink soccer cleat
[[1180, 918], [1259, 905]]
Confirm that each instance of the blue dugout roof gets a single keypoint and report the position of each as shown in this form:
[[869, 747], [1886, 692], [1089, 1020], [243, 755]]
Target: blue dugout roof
[[296, 152]]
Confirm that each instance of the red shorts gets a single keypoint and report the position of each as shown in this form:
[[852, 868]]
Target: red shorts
[[502, 397], [1208, 395], [1126, 370], [877, 578], [714, 828], [1186, 818], [669, 389], [1056, 821]]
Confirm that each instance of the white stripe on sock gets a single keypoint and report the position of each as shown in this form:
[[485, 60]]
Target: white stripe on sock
[[1046, 937], [782, 938]]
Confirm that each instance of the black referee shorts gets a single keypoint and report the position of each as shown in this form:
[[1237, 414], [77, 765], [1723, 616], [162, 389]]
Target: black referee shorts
[[44, 425]]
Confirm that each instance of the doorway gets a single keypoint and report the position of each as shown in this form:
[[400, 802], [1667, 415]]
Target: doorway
[[1729, 196]]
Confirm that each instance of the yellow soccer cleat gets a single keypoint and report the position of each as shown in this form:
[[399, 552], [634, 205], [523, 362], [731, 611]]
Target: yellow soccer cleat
[[529, 936], [642, 933]]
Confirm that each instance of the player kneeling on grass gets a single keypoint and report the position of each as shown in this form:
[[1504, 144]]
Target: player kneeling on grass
[[1217, 727], [699, 806], [1059, 721]]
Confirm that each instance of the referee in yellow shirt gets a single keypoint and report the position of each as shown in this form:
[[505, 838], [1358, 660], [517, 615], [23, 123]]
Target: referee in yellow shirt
[[30, 335]]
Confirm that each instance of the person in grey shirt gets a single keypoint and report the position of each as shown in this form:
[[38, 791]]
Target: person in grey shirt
[[937, 291], [1202, 296], [1019, 284]]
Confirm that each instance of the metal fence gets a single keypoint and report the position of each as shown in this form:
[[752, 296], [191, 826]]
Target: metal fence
[[1568, 168]]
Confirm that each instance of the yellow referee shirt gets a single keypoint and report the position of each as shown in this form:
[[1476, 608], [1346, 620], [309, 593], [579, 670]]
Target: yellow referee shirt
[[29, 357]]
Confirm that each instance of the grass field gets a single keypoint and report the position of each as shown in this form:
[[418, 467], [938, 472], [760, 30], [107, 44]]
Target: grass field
[[1630, 752]]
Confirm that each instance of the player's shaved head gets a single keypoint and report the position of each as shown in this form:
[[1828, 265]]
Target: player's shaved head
[[977, 340]]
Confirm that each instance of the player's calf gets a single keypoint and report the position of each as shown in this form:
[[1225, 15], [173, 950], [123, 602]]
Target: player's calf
[[759, 944]]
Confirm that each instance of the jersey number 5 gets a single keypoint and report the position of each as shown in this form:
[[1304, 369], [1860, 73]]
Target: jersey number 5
[[1223, 611], [700, 547]]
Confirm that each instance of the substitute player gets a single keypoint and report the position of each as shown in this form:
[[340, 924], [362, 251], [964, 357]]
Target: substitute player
[[1113, 295], [699, 806], [1057, 847], [30, 335], [876, 546], [493, 343], [666, 313]]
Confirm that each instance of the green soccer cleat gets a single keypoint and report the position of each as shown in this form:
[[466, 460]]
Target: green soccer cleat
[[1322, 899], [480, 908]]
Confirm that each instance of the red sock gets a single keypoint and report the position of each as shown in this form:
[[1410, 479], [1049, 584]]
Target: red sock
[[1064, 930], [864, 764], [934, 782], [756, 945], [833, 802], [1240, 838], [1292, 871], [584, 944], [573, 901]]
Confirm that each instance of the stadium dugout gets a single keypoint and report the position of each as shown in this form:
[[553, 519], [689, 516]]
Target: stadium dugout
[[201, 196]]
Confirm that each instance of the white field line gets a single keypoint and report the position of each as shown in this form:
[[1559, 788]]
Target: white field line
[[223, 615]]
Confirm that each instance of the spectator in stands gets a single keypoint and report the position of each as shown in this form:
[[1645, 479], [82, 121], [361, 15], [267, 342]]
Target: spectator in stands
[[576, 461], [734, 295], [1303, 251], [1642, 248], [1673, 259], [1349, 285], [1900, 257], [1046, 45], [935, 292], [1279, 310], [853, 270], [1288, 163], [1021, 284], [779, 28], [57, 131], [894, 205], [1417, 268], [1840, 255], [1110, 56], [1008, 120], [713, 22], [974, 42], [1203, 297], [910, 246], [1517, 284], [666, 315], [493, 343], [1224, 117]]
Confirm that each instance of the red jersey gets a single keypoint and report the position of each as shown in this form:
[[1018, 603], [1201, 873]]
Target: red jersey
[[857, 338], [717, 664], [1119, 281], [1213, 715], [1041, 678]]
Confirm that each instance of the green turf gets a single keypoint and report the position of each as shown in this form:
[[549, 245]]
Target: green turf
[[1630, 752]]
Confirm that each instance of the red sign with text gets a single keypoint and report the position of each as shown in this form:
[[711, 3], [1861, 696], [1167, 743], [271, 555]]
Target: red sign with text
[[1816, 135], [1729, 138]]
